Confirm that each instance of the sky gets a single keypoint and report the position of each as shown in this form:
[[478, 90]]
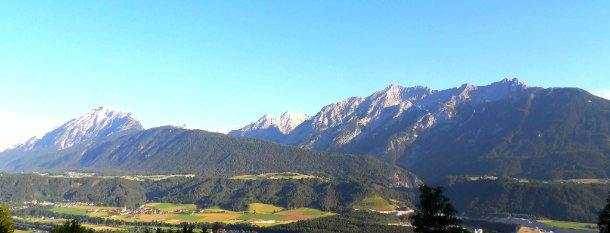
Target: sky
[[219, 64]]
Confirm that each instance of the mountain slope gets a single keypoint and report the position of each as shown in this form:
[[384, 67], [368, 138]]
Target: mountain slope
[[271, 128], [168, 150], [233, 194], [388, 121], [556, 133], [502, 129], [563, 201], [97, 124]]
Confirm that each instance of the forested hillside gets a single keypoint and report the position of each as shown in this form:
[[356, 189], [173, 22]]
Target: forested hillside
[[547, 134], [27, 187], [169, 150], [336, 196], [554, 200]]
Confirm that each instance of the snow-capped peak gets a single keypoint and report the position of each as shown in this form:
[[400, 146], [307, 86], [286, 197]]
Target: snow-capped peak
[[97, 124]]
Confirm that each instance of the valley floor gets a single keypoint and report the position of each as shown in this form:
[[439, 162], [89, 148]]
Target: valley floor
[[257, 214]]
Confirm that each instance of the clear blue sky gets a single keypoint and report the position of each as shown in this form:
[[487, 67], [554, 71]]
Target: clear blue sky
[[224, 63]]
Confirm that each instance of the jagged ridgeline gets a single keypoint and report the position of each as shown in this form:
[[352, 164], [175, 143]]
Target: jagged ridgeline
[[233, 194], [546, 134], [502, 129], [170, 150]]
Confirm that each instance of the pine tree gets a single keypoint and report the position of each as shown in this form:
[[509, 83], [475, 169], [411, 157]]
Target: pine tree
[[603, 222], [72, 226], [434, 213]]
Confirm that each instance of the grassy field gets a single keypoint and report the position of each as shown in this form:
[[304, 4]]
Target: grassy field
[[315, 212], [188, 218], [72, 211], [171, 207], [274, 176], [103, 228], [219, 217], [258, 213], [60, 221], [22, 231], [570, 225], [375, 203], [263, 208], [262, 217], [40, 220]]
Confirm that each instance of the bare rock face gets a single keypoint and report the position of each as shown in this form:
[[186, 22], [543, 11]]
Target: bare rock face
[[97, 124], [272, 128], [384, 123]]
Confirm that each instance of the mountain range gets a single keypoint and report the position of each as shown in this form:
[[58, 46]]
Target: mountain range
[[503, 129], [113, 142], [395, 115], [473, 140]]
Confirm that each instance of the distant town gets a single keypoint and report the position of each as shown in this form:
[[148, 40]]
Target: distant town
[[98, 209]]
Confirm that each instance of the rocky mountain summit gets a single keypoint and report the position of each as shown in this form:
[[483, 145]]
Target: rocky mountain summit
[[272, 128], [502, 129], [383, 123], [98, 123]]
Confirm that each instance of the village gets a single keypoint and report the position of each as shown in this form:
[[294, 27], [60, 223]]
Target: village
[[110, 211]]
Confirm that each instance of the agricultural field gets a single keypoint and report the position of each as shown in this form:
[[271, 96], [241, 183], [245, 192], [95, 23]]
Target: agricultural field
[[36, 219], [258, 213], [263, 208], [570, 225], [69, 210], [22, 231], [103, 228], [82, 210], [274, 176], [171, 207], [60, 221], [375, 203]]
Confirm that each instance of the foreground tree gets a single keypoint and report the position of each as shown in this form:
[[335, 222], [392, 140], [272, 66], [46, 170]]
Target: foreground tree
[[6, 222], [603, 222], [434, 213], [72, 226]]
